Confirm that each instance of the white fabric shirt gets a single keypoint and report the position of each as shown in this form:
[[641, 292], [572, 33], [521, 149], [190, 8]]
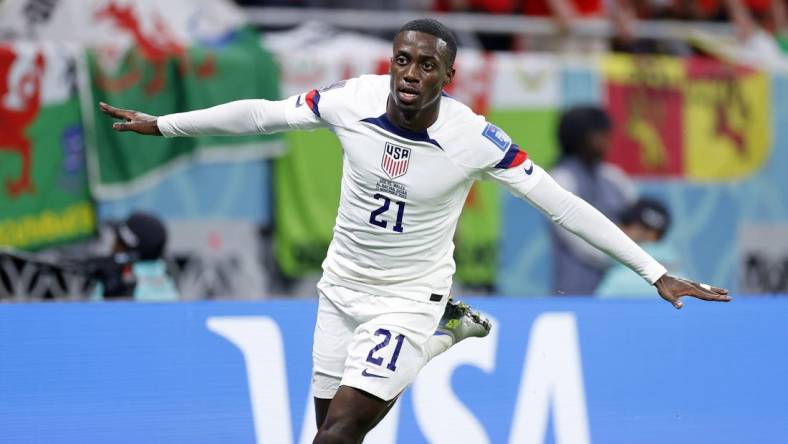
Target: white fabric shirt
[[402, 192]]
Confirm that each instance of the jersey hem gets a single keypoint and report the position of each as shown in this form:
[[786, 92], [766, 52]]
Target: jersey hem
[[387, 291]]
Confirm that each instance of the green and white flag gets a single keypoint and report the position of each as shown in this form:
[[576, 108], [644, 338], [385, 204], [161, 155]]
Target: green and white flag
[[44, 197], [158, 57], [168, 64], [190, 78]]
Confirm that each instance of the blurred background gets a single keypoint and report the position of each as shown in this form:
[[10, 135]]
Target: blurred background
[[670, 116], [675, 101]]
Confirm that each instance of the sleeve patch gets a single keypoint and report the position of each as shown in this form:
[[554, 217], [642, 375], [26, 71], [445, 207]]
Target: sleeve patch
[[497, 136], [312, 100], [513, 158]]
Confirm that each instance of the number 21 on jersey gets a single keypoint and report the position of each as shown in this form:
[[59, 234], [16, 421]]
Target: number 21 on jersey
[[373, 216]]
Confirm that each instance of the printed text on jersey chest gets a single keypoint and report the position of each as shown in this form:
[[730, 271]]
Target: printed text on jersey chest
[[391, 187]]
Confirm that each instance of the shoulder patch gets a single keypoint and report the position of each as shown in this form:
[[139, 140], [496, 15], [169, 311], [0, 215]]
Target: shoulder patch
[[497, 136]]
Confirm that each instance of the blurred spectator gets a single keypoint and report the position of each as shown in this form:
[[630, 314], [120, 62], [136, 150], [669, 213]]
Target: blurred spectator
[[780, 13], [584, 134], [372, 4], [760, 34], [488, 41], [626, 13], [485, 6], [759, 23], [135, 267], [345, 4], [646, 222], [565, 13], [289, 3]]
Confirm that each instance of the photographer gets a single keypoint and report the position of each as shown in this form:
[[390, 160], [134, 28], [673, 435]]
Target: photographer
[[135, 268]]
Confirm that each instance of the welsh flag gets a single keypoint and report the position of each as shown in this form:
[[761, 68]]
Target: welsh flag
[[169, 57], [44, 197]]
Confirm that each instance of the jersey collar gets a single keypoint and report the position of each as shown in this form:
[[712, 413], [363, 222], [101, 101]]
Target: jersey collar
[[384, 123]]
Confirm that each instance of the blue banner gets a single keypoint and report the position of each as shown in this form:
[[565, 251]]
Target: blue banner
[[559, 370]]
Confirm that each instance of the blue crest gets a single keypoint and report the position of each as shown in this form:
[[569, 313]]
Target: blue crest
[[497, 136]]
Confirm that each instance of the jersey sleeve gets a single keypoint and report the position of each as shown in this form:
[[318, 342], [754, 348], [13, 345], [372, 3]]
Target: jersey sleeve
[[299, 113], [505, 162], [310, 110], [331, 105], [241, 117]]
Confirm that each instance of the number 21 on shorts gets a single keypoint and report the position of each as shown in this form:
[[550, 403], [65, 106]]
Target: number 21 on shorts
[[378, 360]]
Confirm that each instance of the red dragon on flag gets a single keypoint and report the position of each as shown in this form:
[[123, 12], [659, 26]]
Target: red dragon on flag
[[20, 101]]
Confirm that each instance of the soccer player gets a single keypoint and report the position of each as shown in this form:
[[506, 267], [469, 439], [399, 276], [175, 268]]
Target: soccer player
[[411, 153]]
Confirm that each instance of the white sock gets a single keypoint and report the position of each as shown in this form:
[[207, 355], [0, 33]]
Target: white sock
[[437, 345]]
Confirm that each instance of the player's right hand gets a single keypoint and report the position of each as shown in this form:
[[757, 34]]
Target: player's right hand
[[135, 121]]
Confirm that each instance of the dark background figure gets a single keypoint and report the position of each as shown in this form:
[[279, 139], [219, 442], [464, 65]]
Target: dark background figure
[[584, 135], [135, 267], [647, 223]]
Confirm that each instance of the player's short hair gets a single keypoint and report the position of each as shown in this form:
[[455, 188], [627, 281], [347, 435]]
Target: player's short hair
[[578, 123], [437, 29]]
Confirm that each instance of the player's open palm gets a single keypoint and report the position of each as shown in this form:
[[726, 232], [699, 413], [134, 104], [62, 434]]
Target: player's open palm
[[135, 121], [672, 289]]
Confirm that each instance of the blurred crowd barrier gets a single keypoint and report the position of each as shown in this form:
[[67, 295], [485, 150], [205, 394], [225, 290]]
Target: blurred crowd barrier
[[552, 370], [249, 217]]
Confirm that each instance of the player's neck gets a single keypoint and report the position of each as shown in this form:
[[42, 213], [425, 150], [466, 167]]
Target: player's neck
[[416, 121]]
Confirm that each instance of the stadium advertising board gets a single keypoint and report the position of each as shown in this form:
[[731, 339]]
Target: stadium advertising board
[[559, 370]]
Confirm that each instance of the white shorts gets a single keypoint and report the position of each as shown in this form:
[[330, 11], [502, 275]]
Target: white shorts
[[373, 343]]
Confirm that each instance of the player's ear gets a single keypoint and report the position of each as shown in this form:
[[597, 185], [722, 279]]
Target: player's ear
[[449, 77]]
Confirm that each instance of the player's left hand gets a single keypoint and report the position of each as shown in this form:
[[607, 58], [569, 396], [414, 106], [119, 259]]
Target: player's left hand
[[673, 288], [134, 121]]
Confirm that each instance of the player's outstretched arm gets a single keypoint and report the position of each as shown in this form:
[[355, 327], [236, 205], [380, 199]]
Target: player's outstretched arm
[[135, 121], [673, 288], [236, 118]]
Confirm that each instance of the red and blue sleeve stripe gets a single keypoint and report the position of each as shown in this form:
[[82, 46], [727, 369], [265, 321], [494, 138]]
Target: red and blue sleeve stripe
[[513, 157], [312, 99]]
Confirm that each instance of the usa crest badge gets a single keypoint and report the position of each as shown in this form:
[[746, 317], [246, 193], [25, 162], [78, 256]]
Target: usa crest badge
[[395, 160]]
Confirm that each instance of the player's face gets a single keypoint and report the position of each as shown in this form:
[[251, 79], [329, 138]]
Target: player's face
[[419, 70]]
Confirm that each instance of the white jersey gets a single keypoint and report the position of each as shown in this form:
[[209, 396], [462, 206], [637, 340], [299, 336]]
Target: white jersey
[[402, 192]]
